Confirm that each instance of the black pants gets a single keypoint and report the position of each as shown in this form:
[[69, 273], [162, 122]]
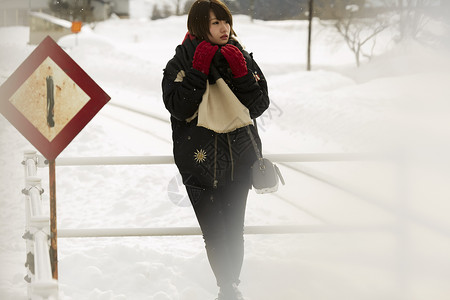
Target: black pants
[[220, 213]]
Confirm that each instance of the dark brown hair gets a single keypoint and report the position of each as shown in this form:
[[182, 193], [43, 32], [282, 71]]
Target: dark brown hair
[[198, 18]]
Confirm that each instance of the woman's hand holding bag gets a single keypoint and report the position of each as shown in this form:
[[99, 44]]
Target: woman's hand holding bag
[[203, 56]]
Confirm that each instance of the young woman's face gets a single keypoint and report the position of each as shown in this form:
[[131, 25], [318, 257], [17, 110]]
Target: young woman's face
[[219, 30]]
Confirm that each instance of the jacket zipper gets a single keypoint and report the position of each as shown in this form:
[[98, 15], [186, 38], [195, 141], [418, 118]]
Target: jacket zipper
[[215, 181], [231, 157], [215, 162]]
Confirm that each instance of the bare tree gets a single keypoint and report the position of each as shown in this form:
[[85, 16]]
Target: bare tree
[[187, 6], [360, 33], [356, 22], [177, 7], [156, 13], [412, 16], [252, 10]]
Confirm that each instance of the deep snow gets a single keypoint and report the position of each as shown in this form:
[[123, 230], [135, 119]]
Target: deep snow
[[396, 104]]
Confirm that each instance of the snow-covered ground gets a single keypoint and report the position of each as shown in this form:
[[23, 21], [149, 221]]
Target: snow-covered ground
[[397, 104]]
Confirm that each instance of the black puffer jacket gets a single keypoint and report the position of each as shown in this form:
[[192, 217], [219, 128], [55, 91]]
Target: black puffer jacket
[[205, 158]]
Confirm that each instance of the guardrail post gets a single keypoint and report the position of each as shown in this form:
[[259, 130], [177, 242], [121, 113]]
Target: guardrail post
[[29, 170], [37, 232], [29, 161]]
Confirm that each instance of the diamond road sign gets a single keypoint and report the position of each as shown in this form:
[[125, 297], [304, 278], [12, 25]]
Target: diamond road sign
[[50, 99]]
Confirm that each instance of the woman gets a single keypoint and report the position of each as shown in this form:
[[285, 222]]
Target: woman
[[213, 90]]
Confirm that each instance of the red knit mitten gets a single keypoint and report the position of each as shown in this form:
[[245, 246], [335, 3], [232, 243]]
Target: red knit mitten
[[235, 59], [203, 56]]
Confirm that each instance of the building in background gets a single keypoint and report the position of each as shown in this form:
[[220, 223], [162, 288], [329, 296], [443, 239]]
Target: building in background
[[103, 9], [16, 12], [121, 8], [44, 20], [42, 25]]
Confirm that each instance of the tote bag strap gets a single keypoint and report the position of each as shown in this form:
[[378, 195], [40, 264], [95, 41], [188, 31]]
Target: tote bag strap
[[255, 146]]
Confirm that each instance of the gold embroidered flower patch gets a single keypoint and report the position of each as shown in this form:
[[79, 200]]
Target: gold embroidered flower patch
[[200, 155]]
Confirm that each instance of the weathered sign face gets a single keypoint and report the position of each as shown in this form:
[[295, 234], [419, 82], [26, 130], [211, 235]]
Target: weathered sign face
[[47, 82], [49, 99]]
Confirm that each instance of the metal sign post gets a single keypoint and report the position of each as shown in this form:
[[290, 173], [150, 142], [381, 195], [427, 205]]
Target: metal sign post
[[310, 20], [50, 99], [53, 220]]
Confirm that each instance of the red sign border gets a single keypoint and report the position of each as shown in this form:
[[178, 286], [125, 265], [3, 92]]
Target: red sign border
[[98, 98]]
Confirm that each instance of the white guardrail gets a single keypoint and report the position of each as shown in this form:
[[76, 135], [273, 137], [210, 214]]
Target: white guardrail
[[37, 235], [183, 231], [39, 273], [152, 160]]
